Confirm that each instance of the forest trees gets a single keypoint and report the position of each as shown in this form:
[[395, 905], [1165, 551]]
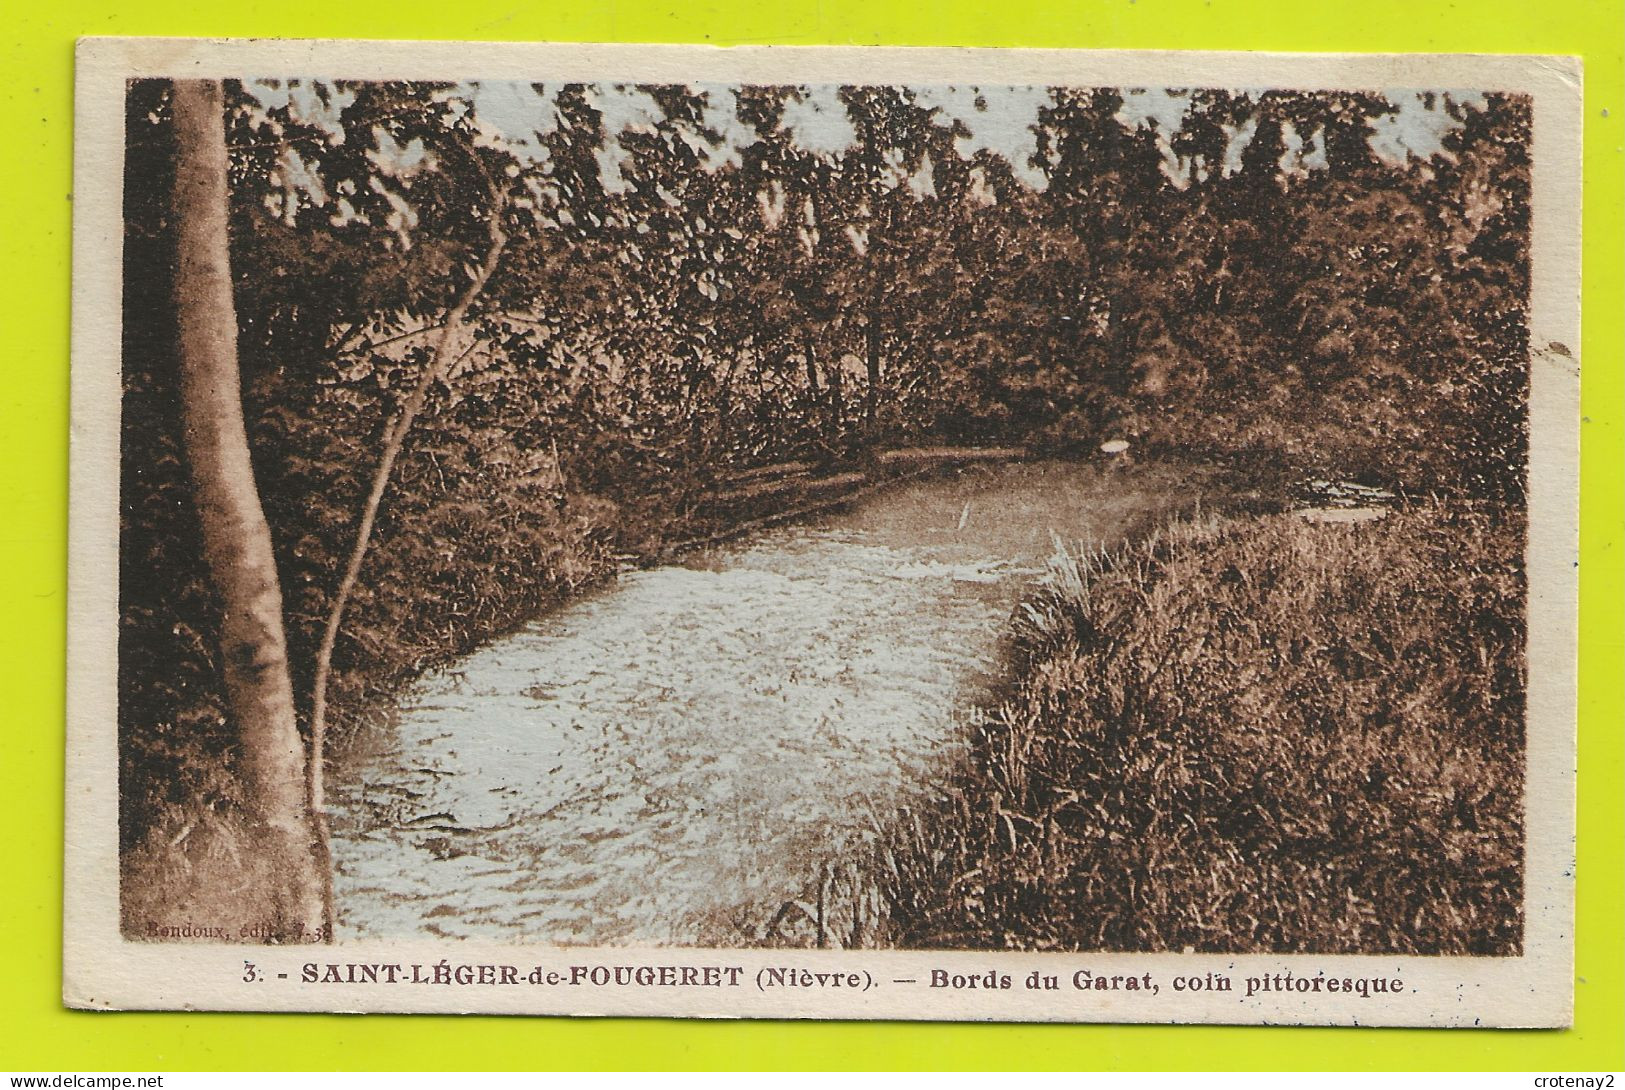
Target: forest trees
[[493, 338]]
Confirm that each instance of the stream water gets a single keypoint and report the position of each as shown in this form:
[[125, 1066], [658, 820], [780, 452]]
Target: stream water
[[693, 738]]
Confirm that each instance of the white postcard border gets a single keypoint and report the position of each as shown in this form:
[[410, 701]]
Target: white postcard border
[[103, 970]]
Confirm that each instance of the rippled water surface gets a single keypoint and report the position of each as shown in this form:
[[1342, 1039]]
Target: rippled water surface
[[697, 737]]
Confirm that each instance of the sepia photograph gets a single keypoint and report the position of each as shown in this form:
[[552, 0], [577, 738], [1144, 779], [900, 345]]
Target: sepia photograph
[[750, 513]]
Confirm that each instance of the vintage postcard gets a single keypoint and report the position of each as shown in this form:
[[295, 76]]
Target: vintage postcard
[[831, 533]]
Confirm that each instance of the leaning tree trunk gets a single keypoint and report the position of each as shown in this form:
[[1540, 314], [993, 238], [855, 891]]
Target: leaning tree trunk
[[236, 538], [394, 441]]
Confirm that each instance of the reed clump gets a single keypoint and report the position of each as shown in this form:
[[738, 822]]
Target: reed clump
[[1244, 736]]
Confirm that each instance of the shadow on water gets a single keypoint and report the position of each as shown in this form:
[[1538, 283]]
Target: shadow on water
[[680, 757]]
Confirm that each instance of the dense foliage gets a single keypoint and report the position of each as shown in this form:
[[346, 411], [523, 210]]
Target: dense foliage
[[700, 306]]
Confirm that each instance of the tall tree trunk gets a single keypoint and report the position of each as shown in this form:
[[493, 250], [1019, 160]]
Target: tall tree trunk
[[725, 402], [837, 402], [811, 361], [236, 538], [815, 395], [871, 362]]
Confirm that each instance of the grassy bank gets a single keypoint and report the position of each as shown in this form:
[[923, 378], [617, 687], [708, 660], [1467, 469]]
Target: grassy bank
[[1245, 736]]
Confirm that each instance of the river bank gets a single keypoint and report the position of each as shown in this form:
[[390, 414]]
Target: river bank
[[437, 835], [454, 566], [662, 760], [1260, 735]]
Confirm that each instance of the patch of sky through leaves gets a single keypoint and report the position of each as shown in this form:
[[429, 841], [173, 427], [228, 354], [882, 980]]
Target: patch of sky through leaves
[[1419, 124], [999, 121]]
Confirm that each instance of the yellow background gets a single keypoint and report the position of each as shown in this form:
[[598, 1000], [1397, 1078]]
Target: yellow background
[[36, 106]]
